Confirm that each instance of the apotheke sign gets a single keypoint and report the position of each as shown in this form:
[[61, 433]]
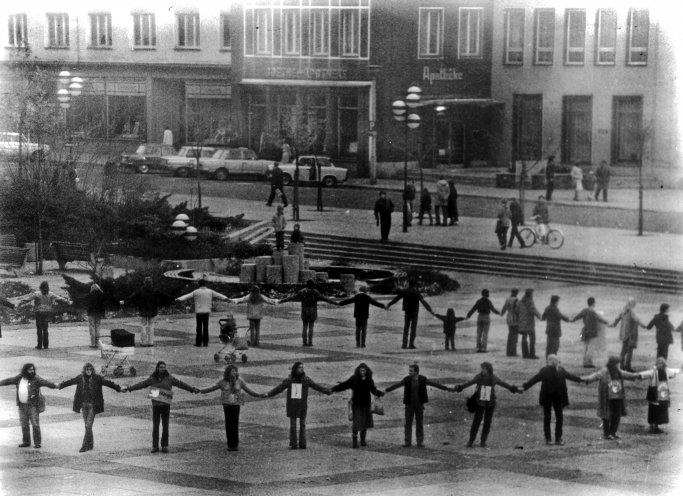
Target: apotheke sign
[[441, 74]]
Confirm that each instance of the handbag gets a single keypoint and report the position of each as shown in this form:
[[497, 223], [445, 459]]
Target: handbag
[[377, 407], [350, 410], [471, 403]]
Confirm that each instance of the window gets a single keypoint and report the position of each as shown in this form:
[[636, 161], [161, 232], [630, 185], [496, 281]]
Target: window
[[431, 33], [514, 36], [16, 27], [100, 30], [469, 38], [226, 41], [144, 31], [606, 39], [638, 33], [320, 25], [291, 32], [527, 130], [188, 30], [577, 129], [350, 32], [627, 124], [544, 36], [575, 37], [264, 26], [58, 30]]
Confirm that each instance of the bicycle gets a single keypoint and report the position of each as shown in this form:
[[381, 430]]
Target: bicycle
[[553, 238]]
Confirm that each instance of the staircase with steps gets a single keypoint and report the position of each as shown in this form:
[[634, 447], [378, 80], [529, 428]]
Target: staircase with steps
[[252, 234]]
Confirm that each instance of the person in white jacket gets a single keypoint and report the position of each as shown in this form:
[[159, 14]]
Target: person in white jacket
[[255, 301], [203, 298], [658, 394], [577, 177]]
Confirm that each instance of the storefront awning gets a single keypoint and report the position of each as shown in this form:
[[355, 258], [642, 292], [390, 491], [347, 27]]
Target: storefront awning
[[451, 102]]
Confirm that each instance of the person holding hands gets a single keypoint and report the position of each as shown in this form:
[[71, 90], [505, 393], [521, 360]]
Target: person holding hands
[[361, 312], [255, 301]]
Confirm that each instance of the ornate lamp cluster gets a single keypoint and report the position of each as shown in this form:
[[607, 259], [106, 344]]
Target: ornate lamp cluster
[[70, 86], [181, 227]]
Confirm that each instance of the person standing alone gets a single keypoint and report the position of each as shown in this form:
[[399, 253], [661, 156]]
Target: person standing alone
[[550, 178], [503, 223], [516, 220], [277, 183], [203, 298], [602, 176], [383, 209]]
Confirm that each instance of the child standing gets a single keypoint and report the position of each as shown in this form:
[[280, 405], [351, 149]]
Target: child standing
[[425, 206], [449, 322]]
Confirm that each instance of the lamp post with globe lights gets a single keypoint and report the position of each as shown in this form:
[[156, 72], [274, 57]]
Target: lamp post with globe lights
[[401, 113], [70, 86]]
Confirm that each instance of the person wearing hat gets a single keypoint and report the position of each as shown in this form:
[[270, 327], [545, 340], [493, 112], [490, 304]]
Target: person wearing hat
[[527, 323], [361, 311]]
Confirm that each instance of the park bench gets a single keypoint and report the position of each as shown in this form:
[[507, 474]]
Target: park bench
[[66, 251], [10, 254]]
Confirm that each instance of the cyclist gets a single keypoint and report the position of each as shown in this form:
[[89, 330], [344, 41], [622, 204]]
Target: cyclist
[[542, 217]]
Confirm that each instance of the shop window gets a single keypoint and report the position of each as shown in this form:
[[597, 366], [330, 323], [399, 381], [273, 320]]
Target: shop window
[[264, 31], [291, 32], [577, 129], [638, 33], [100, 30], [226, 40], [606, 37], [58, 30], [320, 26], [16, 28], [144, 31], [470, 32], [514, 36], [575, 37], [527, 131], [350, 32], [431, 33], [187, 27], [544, 36]]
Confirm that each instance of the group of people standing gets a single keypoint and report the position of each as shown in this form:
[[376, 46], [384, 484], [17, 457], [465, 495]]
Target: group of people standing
[[602, 177]]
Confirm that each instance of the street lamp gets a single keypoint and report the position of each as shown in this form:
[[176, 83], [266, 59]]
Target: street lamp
[[70, 87], [400, 110]]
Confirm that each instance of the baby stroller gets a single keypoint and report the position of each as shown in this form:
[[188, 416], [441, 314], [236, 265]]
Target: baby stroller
[[117, 353], [234, 344]]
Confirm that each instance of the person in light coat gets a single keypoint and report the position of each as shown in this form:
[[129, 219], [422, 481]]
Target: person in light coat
[[203, 298], [527, 323], [628, 332], [255, 301]]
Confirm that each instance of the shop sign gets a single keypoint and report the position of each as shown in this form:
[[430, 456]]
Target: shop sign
[[306, 73], [441, 74]]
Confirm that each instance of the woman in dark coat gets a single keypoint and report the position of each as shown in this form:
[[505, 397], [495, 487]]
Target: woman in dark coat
[[361, 385], [485, 396], [553, 395], [89, 399], [309, 297], [452, 206]]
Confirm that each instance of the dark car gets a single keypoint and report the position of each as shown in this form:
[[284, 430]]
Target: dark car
[[147, 157]]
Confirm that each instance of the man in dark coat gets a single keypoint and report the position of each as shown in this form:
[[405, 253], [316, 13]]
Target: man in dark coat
[[516, 220], [361, 312], [602, 175], [553, 330], [277, 182], [411, 307], [664, 336], [89, 399], [148, 300], [553, 395], [383, 209], [309, 297], [550, 178]]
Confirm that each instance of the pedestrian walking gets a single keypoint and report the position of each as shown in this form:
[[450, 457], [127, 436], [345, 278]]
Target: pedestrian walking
[[658, 394], [483, 307], [611, 396], [516, 220], [279, 224], [602, 175], [4, 302], [452, 207], [30, 402], [203, 299], [277, 184], [232, 388], [362, 386], [425, 206], [576, 174], [147, 300], [414, 399], [553, 396], [527, 323], [450, 322], [485, 399], [628, 333], [44, 303], [411, 309], [502, 223], [409, 197], [443, 191], [89, 399], [361, 312], [664, 335], [297, 385], [550, 178], [309, 298], [255, 301], [167, 138], [510, 307], [383, 209], [590, 331], [553, 329], [160, 385], [96, 309]]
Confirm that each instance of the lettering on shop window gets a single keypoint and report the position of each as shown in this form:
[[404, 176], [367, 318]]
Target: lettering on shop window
[[442, 74], [306, 73]]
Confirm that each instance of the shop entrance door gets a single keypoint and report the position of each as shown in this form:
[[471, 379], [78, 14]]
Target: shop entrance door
[[627, 119]]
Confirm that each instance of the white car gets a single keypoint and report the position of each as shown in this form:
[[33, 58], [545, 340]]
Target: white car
[[11, 143], [184, 163], [235, 161], [331, 175]]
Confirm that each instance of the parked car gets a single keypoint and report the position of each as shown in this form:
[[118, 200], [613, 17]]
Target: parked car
[[184, 163], [331, 175], [11, 145], [235, 161], [147, 157]]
